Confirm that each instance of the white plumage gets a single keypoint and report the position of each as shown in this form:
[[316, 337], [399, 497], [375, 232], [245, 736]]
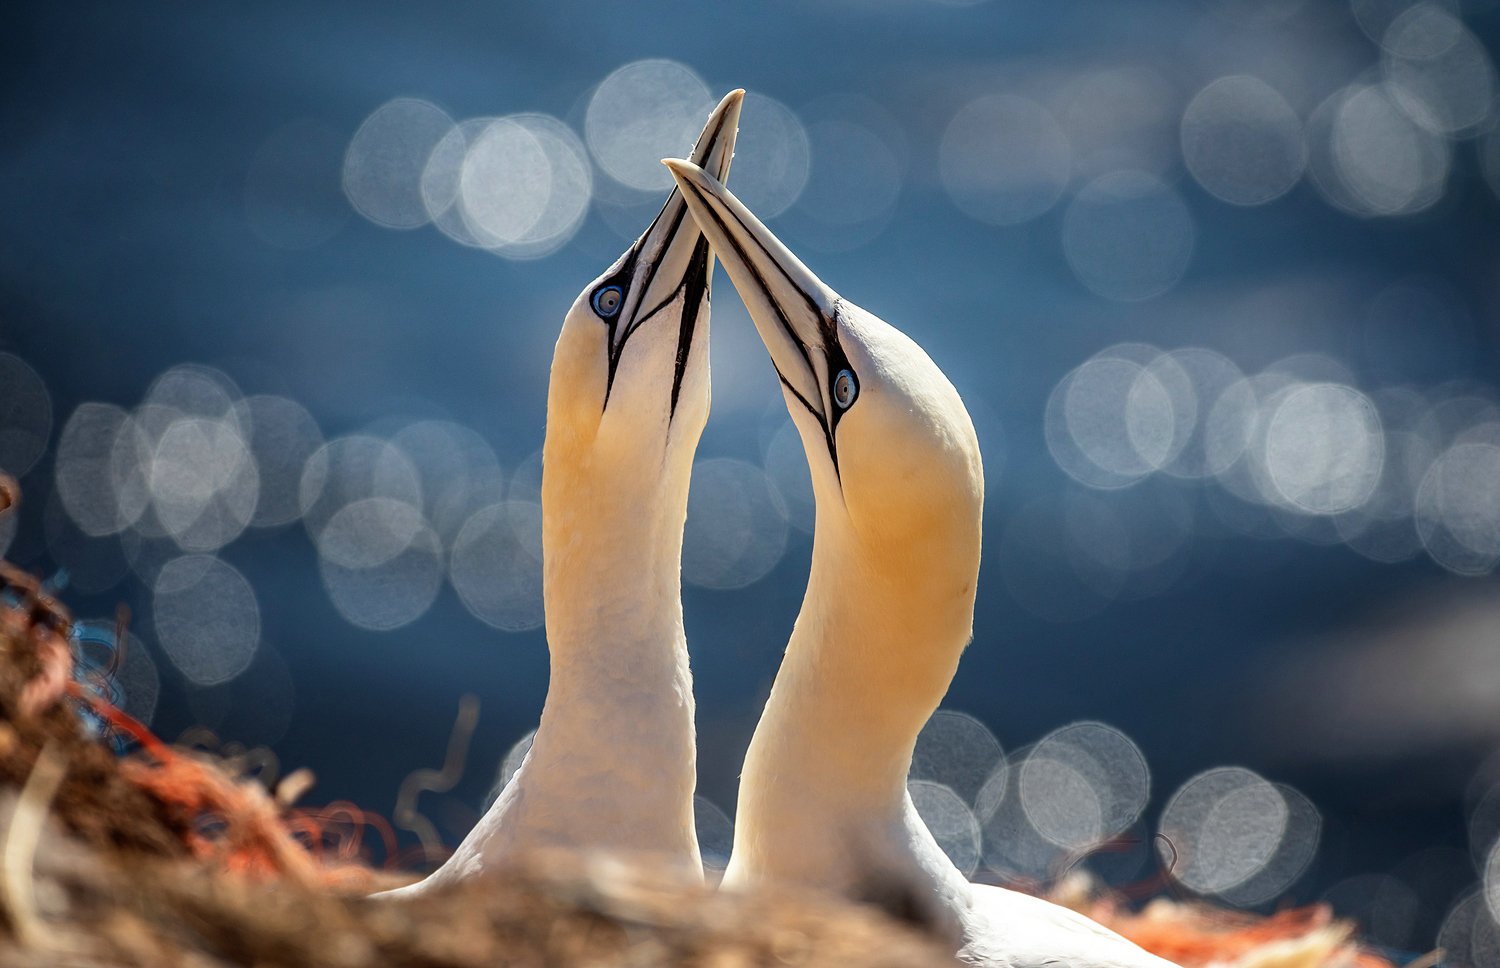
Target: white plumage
[[888, 611], [612, 766]]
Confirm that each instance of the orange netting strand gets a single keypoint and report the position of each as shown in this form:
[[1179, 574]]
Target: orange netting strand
[[1193, 935], [1200, 938], [255, 839], [122, 721], [233, 822], [258, 839], [340, 816]]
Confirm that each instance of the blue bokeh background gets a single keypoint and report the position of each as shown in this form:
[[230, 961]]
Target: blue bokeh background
[[124, 249]]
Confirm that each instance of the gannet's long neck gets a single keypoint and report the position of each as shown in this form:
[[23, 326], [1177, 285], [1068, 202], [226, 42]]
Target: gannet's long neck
[[619, 709], [823, 793], [612, 764], [889, 608]]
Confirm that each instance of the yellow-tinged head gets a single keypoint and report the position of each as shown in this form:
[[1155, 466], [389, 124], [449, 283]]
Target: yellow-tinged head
[[629, 392], [894, 458]]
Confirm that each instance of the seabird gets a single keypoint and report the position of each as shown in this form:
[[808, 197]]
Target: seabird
[[613, 763], [888, 610]]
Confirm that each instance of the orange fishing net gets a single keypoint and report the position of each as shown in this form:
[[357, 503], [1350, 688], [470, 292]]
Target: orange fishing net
[[1197, 935], [233, 821]]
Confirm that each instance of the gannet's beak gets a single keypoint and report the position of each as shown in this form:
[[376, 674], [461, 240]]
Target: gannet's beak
[[715, 146], [672, 237], [672, 257], [792, 309]]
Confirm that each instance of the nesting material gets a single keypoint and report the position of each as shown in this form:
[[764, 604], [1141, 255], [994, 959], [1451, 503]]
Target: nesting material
[[100, 910], [170, 857], [166, 857]]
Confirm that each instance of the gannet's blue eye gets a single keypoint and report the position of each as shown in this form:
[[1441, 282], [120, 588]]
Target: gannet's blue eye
[[607, 301], [845, 389]]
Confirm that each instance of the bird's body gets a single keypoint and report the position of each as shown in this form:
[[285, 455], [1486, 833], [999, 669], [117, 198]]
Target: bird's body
[[612, 765], [888, 611]]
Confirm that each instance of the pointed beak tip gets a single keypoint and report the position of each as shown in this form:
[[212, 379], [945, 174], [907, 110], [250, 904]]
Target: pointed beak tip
[[736, 101], [732, 101], [729, 107]]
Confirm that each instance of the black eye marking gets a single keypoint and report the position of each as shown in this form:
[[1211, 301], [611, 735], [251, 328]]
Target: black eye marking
[[845, 389], [843, 384], [834, 353], [617, 281], [607, 300]]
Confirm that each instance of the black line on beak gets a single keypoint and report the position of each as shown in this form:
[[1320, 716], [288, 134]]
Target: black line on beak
[[696, 292], [695, 281], [625, 275], [694, 287], [708, 137], [622, 278], [824, 324]]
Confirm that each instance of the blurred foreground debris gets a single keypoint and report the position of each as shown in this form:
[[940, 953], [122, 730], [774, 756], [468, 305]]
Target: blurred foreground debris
[[1197, 935], [135, 911], [437, 781], [170, 856]]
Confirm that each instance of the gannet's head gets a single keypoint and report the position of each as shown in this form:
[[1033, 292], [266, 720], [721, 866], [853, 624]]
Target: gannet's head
[[629, 392], [894, 458]]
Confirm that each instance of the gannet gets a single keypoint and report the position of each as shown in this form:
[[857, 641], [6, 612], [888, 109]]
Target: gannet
[[613, 763], [888, 610]]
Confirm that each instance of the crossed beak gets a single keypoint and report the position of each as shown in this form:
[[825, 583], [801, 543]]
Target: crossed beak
[[672, 258], [793, 310]]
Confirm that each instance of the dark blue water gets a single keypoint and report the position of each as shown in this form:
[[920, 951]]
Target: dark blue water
[[124, 249]]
